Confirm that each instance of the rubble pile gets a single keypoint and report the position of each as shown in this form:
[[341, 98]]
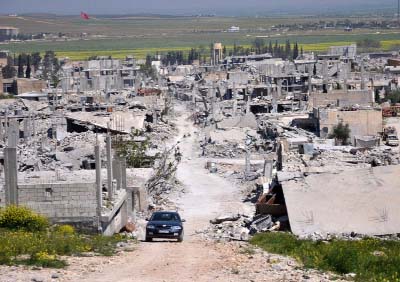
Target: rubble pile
[[224, 150], [380, 157], [240, 227], [50, 154], [231, 227], [159, 133]]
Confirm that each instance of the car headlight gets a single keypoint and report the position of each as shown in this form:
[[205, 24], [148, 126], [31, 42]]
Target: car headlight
[[151, 227], [176, 228]]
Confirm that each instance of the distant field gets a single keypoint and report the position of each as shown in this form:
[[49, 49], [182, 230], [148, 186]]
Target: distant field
[[139, 36], [119, 48]]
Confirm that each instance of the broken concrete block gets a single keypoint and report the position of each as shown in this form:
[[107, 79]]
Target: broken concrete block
[[224, 218], [261, 223]]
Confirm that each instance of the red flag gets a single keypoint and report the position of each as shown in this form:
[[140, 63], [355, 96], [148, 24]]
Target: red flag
[[84, 16]]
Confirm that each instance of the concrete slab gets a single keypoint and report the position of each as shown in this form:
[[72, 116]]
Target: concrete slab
[[365, 201]]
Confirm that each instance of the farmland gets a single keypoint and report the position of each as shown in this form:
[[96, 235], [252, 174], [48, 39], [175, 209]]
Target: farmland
[[139, 36]]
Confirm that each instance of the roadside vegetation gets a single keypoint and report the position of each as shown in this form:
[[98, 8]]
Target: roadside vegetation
[[27, 238], [370, 259]]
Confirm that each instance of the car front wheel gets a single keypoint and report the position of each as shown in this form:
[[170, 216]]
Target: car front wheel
[[148, 239], [180, 239]]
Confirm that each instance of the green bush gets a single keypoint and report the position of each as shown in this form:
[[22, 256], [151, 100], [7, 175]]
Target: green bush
[[16, 217], [44, 259], [65, 229], [371, 259], [26, 238]]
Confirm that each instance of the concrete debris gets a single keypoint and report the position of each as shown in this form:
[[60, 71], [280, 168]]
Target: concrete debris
[[261, 224], [223, 218]]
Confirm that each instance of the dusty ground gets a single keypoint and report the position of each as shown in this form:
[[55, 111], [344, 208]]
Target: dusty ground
[[207, 195]]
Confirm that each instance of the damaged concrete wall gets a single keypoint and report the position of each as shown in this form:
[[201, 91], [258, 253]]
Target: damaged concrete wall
[[60, 202], [30, 85], [361, 122], [360, 200], [342, 98]]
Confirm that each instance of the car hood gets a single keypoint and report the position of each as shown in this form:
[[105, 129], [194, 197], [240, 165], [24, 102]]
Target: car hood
[[172, 223]]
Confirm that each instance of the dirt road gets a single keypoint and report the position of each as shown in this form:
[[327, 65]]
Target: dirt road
[[206, 197]]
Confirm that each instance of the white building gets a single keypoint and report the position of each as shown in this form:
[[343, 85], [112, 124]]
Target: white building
[[234, 29]]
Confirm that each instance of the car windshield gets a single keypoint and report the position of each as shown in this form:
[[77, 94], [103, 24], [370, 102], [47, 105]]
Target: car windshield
[[165, 217]]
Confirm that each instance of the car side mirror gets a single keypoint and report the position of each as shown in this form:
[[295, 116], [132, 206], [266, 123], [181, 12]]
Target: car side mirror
[[183, 220], [147, 219]]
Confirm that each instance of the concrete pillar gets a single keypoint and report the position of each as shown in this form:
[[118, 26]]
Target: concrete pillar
[[54, 131], [247, 163], [194, 93], [212, 97], [34, 127], [155, 121], [99, 186], [234, 93], [310, 79], [1, 130], [13, 133], [363, 84], [26, 129], [279, 87], [116, 171], [325, 76], [1, 82], [248, 100], [123, 173], [110, 187], [11, 175]]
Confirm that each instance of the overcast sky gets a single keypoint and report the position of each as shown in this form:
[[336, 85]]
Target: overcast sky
[[190, 7]]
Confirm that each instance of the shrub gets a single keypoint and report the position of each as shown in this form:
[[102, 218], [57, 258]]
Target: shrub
[[46, 260], [16, 217], [341, 133], [65, 230]]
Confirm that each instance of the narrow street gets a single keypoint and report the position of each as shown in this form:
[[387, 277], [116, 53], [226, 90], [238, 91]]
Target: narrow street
[[207, 196]]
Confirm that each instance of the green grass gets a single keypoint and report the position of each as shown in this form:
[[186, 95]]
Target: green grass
[[45, 248], [140, 45], [370, 259], [27, 238]]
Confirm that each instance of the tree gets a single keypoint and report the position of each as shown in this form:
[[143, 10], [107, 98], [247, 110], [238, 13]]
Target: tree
[[148, 60], [288, 50], [28, 68], [36, 59], [341, 133], [295, 51], [258, 44], [20, 67], [234, 49], [368, 43], [394, 97], [275, 51], [270, 48], [51, 67]]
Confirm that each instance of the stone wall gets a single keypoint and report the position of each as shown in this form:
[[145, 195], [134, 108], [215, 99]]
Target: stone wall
[[361, 122], [342, 98], [60, 202], [25, 85]]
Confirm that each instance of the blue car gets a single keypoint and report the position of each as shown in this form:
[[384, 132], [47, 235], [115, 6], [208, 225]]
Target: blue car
[[164, 225]]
